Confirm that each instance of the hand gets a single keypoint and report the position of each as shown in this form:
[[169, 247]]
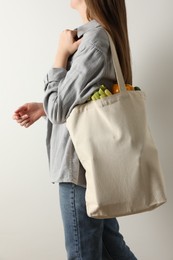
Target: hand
[[29, 113], [67, 46]]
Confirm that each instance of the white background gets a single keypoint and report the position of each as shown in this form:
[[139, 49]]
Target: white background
[[30, 220]]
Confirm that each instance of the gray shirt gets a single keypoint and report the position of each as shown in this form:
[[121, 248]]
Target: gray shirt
[[88, 68]]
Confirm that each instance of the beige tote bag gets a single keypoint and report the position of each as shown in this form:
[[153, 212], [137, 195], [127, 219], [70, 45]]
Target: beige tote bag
[[114, 144]]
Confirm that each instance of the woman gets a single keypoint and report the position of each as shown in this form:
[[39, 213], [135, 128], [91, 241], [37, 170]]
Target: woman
[[82, 63]]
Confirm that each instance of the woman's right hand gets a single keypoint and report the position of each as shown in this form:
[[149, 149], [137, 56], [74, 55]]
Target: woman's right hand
[[29, 113], [66, 47]]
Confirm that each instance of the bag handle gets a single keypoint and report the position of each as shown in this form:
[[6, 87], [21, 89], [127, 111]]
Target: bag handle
[[116, 64]]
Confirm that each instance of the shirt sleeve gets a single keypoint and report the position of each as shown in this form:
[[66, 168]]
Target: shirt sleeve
[[66, 89]]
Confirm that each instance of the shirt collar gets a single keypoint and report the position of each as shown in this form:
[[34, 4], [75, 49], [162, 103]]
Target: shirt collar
[[86, 27]]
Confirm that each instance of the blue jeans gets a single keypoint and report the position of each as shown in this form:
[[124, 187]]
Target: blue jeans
[[88, 238]]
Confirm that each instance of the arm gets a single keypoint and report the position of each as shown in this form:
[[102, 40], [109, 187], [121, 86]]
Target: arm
[[28, 114], [66, 89]]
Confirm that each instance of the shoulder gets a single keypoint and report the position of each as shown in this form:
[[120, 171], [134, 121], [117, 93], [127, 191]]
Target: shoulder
[[96, 38]]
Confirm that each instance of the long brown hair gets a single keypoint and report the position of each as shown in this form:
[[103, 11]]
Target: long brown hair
[[111, 14]]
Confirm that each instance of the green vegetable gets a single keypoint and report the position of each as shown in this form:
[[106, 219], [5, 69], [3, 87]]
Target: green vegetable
[[103, 96], [93, 98], [96, 95], [101, 93], [107, 92], [103, 87]]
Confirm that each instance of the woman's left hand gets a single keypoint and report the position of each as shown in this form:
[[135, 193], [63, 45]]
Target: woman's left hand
[[29, 113], [66, 47]]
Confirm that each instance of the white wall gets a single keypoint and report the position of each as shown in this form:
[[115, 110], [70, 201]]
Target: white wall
[[30, 220]]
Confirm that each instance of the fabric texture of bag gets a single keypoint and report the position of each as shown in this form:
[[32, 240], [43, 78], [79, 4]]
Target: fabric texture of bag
[[114, 144]]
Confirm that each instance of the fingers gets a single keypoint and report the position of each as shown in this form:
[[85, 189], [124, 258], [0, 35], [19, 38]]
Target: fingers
[[21, 110], [25, 123], [74, 33], [22, 120], [17, 117], [20, 115], [77, 43], [71, 32], [68, 44]]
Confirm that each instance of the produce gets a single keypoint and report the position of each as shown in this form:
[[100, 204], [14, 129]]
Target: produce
[[116, 88], [101, 93], [104, 92]]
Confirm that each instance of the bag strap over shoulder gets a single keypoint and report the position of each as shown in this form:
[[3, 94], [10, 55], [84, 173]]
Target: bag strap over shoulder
[[116, 64]]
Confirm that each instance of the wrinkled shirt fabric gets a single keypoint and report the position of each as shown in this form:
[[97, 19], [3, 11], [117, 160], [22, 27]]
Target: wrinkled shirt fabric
[[88, 68]]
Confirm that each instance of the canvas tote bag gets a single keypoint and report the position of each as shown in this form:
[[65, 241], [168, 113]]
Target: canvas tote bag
[[114, 144]]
